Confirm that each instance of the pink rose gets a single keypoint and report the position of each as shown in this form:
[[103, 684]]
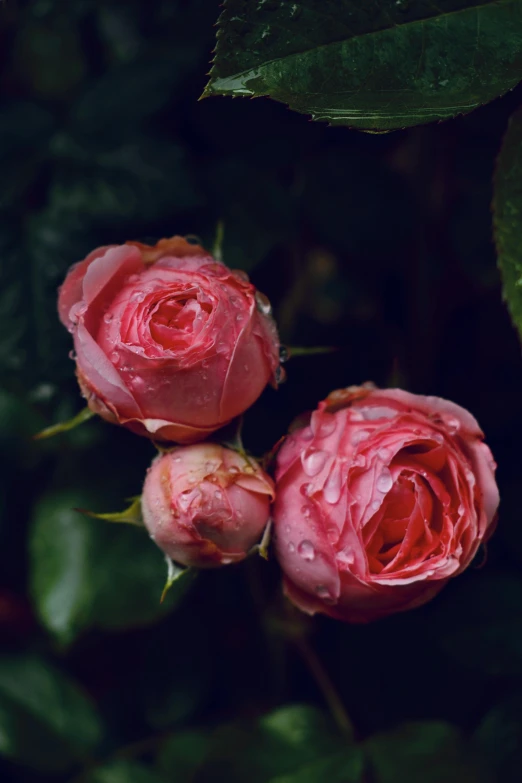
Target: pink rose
[[206, 505], [168, 342], [380, 500]]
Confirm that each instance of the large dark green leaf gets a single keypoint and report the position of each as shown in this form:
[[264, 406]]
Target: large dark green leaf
[[284, 745], [430, 752], [507, 206], [45, 721], [381, 64], [87, 573]]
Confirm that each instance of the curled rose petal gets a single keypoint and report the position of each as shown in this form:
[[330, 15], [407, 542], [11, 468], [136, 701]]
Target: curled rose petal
[[168, 342], [392, 493]]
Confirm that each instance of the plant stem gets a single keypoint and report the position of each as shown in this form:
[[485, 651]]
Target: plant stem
[[326, 687]]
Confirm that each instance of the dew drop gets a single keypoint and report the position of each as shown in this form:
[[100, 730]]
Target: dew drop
[[346, 555], [333, 487], [108, 317], [241, 275], [314, 462], [279, 375], [307, 489], [284, 353], [306, 551], [326, 426], [291, 547], [138, 297], [263, 303], [115, 357], [305, 511], [133, 278], [384, 454], [452, 424], [358, 436], [385, 481], [72, 355], [359, 461], [222, 348], [323, 593]]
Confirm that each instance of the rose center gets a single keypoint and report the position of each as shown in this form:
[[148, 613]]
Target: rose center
[[175, 321]]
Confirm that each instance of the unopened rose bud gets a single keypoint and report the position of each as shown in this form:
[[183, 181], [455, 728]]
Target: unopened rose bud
[[205, 505]]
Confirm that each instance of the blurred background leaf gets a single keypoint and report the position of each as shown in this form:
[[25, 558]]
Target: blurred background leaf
[[45, 720]]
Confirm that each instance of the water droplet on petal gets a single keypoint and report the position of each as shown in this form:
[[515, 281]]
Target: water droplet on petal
[[138, 297], [108, 317], [307, 489], [263, 303], [305, 511], [333, 487], [291, 547], [314, 462], [115, 357], [385, 481], [359, 461], [384, 454], [452, 424], [346, 555], [284, 353], [323, 593], [279, 375], [306, 551], [358, 436], [325, 426], [72, 355]]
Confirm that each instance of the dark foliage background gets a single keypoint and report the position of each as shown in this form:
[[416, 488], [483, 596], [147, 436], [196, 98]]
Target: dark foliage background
[[378, 244]]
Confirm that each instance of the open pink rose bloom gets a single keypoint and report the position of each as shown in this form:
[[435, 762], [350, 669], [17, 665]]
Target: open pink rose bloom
[[206, 505], [168, 342], [381, 499]]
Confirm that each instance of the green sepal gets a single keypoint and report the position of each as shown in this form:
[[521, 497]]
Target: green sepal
[[130, 516], [174, 573], [64, 426]]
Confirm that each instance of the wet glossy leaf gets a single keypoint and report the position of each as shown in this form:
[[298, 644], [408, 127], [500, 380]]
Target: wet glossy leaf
[[379, 65], [432, 752], [45, 720], [87, 573], [507, 206]]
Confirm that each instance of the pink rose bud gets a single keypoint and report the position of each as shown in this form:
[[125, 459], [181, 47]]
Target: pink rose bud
[[206, 505], [168, 342], [380, 500]]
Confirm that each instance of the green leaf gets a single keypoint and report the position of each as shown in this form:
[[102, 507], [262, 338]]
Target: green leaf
[[45, 720], [182, 755], [430, 752], [499, 739], [65, 426], [285, 742], [129, 516], [507, 211], [345, 767], [124, 772], [377, 65], [87, 574]]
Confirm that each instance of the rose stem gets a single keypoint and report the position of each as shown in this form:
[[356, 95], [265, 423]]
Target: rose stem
[[326, 687]]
